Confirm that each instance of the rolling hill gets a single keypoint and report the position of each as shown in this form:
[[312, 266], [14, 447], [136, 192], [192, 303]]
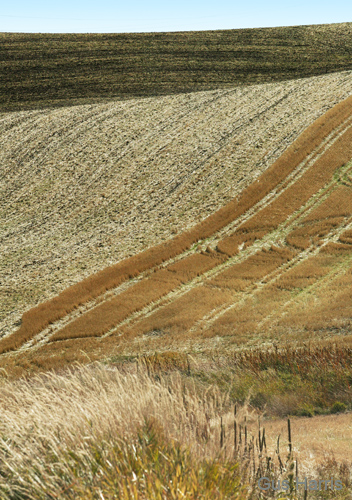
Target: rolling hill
[[40, 70], [176, 216], [92, 185]]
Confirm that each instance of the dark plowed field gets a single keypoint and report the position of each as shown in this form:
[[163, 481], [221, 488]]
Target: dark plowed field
[[39, 70]]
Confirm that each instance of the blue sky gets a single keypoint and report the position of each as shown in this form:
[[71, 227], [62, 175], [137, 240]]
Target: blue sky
[[107, 16]]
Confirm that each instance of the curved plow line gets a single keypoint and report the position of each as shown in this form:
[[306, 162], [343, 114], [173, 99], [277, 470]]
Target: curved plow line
[[63, 127], [94, 117], [79, 127], [147, 139], [269, 280], [328, 142], [224, 142], [272, 238], [25, 150], [277, 191], [21, 126], [240, 123], [9, 122], [50, 330], [98, 115]]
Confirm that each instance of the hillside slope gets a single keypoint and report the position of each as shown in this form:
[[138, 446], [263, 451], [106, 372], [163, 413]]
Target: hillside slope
[[86, 187], [38, 70]]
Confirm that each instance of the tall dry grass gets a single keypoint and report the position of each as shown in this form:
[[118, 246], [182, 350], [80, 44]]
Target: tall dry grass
[[96, 433], [100, 433], [77, 435]]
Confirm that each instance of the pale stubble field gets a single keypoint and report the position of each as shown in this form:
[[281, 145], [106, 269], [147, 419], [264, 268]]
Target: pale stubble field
[[84, 187]]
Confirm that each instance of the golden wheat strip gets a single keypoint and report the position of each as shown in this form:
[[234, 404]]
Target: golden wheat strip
[[272, 239], [38, 318]]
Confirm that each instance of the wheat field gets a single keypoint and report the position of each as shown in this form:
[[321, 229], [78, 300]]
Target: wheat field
[[199, 247], [88, 186], [229, 274]]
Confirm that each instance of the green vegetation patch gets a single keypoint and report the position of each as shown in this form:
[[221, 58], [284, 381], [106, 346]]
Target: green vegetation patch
[[281, 382]]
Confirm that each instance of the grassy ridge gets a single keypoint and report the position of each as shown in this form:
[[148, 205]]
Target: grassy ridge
[[59, 69]]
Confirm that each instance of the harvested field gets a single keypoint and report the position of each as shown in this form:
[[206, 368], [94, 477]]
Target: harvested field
[[68, 190], [233, 274], [181, 314]]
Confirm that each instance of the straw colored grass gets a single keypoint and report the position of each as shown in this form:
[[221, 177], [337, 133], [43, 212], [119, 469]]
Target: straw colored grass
[[102, 432], [99, 432], [96, 433]]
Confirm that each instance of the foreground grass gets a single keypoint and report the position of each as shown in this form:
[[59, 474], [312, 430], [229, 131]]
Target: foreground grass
[[95, 433], [100, 433], [52, 69], [148, 466]]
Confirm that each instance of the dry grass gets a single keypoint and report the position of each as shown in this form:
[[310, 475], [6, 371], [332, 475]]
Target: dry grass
[[73, 436], [97, 432], [346, 237], [338, 204]]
